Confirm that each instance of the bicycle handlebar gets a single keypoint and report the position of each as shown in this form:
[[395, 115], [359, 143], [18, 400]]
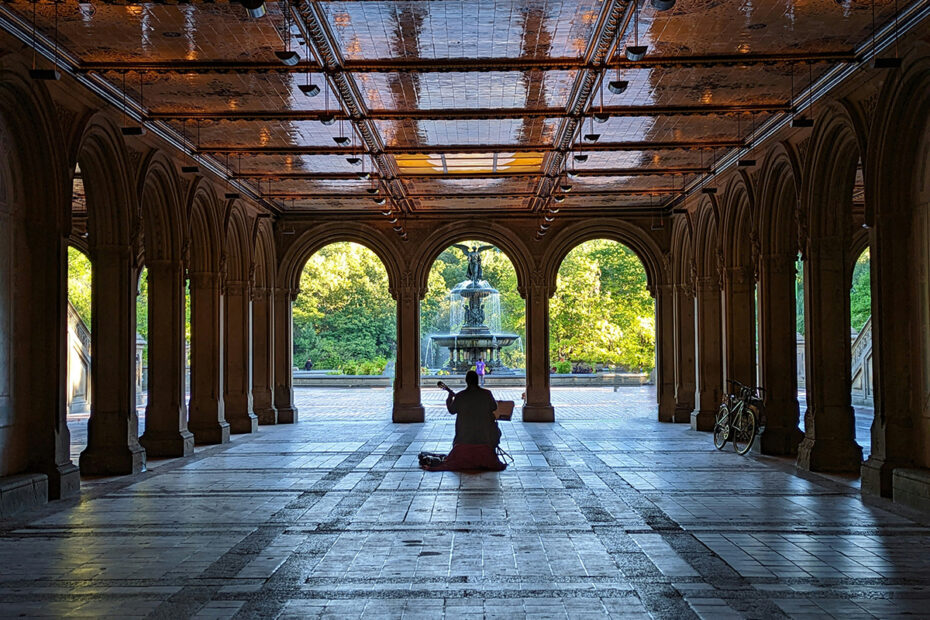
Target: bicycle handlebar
[[748, 391]]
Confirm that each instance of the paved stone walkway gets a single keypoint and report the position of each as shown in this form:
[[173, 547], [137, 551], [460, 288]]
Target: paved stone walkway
[[605, 513]]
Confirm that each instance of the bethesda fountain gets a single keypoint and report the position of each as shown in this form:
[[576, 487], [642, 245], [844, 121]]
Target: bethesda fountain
[[474, 340]]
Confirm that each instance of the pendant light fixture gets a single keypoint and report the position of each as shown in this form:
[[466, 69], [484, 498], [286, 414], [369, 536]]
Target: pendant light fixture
[[801, 121], [44, 74], [327, 118], [592, 137], [636, 51], [599, 116], [131, 129], [893, 62], [255, 8], [288, 57], [309, 88]]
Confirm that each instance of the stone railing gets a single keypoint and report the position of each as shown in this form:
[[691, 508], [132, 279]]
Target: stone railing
[[78, 363], [862, 365]]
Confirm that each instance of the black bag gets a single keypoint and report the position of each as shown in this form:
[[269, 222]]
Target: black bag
[[431, 459]]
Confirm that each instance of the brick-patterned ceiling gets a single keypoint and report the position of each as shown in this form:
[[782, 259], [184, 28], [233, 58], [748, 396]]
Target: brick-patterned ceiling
[[452, 104]]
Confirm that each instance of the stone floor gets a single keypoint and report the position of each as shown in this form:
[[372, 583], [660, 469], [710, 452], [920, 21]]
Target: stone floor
[[604, 513]]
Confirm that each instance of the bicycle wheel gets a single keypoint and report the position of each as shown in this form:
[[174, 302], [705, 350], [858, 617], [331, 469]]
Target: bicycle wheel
[[722, 427], [744, 431]]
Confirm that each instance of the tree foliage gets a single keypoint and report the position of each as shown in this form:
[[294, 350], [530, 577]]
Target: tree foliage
[[344, 314], [79, 282], [602, 311], [860, 294]]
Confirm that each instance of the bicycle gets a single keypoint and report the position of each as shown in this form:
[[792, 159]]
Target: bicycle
[[738, 416]]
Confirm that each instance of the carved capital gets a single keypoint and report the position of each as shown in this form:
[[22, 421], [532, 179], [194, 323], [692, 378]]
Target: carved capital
[[237, 287]]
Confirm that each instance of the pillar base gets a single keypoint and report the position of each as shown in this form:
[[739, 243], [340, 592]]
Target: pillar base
[[287, 415], [219, 433], [703, 420], [878, 477], [683, 413], [267, 416], [247, 423], [830, 455], [170, 444], [911, 487], [22, 492], [64, 481], [779, 441], [408, 413], [112, 462], [538, 413]]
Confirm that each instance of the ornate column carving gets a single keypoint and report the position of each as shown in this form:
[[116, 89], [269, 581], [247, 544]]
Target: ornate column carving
[[665, 351], [778, 354], [207, 409], [407, 404], [263, 356], [538, 407], [829, 424], [113, 429], [684, 352], [283, 349], [237, 394], [166, 431], [709, 351]]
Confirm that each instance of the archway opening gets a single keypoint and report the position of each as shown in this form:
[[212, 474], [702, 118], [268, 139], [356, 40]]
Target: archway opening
[[602, 332], [472, 314], [344, 332], [860, 322], [142, 346], [78, 388]]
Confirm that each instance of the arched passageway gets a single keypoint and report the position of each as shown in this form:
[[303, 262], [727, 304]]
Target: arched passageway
[[602, 324]]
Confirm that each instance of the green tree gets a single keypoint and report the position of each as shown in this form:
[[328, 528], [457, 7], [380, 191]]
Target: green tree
[[860, 295], [602, 311], [344, 314], [79, 283]]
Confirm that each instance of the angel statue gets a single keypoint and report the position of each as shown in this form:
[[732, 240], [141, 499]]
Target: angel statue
[[474, 260]]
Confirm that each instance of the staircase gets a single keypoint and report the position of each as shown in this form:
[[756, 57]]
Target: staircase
[[78, 363]]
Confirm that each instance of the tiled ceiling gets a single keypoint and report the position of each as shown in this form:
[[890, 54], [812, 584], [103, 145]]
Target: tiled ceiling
[[457, 104]]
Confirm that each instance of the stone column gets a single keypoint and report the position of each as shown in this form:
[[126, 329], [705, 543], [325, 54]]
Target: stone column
[[283, 348], [665, 351], [538, 407], [35, 285], [263, 356], [207, 411], [709, 366], [684, 353], [237, 396], [113, 429], [899, 254], [407, 405], [740, 325], [830, 432], [778, 355], [166, 431]]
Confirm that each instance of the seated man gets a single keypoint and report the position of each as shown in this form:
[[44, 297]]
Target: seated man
[[476, 431]]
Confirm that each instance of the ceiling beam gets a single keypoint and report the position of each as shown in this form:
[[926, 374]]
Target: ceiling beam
[[473, 113], [475, 148], [467, 65], [351, 176], [652, 191]]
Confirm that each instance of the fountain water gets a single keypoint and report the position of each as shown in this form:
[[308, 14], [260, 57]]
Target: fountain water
[[475, 321]]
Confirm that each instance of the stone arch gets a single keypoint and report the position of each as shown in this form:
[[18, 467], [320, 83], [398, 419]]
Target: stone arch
[[630, 235], [738, 232], [515, 250], [830, 172], [236, 255], [898, 148], [313, 240], [105, 170], [707, 251], [162, 220], [263, 260], [204, 238], [778, 213], [682, 252]]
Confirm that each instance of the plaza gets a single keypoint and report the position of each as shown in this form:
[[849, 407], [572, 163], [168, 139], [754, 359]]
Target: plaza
[[605, 513]]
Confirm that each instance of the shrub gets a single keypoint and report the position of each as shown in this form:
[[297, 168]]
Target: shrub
[[563, 368]]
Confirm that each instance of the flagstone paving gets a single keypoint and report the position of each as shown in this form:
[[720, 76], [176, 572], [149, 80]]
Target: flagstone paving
[[603, 513]]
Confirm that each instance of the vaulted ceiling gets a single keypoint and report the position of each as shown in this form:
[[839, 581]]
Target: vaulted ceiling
[[460, 104]]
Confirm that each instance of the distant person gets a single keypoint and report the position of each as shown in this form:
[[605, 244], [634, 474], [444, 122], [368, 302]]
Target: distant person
[[476, 432], [308, 365], [479, 368]]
